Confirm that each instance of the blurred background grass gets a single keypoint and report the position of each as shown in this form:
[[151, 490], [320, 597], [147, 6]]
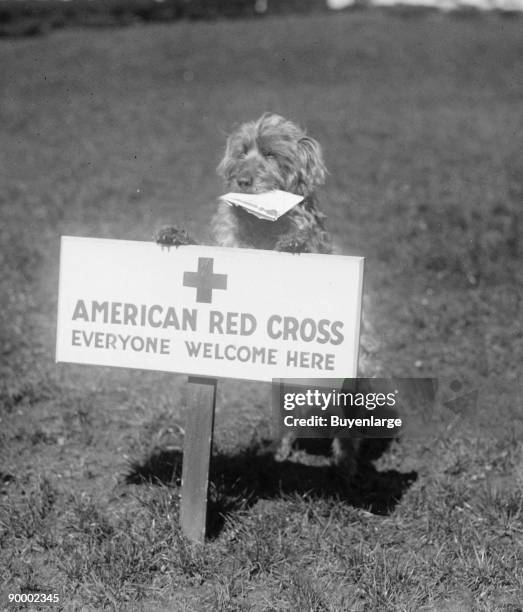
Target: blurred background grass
[[114, 132]]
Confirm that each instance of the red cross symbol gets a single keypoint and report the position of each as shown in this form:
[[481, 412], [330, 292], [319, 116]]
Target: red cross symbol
[[204, 280]]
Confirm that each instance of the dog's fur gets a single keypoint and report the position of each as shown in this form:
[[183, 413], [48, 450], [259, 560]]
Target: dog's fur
[[273, 153]]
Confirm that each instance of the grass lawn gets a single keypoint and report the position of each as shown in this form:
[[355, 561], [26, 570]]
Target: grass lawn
[[112, 133]]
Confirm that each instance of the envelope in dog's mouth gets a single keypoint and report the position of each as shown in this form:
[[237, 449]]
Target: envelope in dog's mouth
[[269, 206]]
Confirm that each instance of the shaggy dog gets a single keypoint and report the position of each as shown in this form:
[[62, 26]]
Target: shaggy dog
[[273, 153], [270, 153]]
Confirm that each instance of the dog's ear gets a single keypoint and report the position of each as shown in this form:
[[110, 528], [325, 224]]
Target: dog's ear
[[312, 168], [224, 167]]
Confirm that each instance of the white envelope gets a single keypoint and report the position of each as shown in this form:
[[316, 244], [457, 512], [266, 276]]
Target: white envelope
[[270, 205]]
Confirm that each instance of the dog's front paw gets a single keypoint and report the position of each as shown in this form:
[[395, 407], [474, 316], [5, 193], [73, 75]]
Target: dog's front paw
[[294, 243], [169, 236]]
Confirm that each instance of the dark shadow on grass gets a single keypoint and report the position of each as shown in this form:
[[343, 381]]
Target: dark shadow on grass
[[238, 481], [162, 467]]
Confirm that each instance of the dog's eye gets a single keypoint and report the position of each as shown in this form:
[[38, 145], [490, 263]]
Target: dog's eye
[[269, 154]]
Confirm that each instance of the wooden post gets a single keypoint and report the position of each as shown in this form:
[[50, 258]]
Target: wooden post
[[196, 457]]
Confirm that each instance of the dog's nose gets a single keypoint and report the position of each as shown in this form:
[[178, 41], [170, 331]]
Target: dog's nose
[[244, 181]]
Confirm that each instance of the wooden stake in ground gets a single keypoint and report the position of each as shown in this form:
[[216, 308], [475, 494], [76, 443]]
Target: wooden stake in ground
[[196, 457]]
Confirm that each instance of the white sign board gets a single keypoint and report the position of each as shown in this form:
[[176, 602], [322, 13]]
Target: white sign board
[[208, 311]]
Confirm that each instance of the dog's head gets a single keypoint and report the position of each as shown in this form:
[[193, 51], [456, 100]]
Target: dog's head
[[272, 153]]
